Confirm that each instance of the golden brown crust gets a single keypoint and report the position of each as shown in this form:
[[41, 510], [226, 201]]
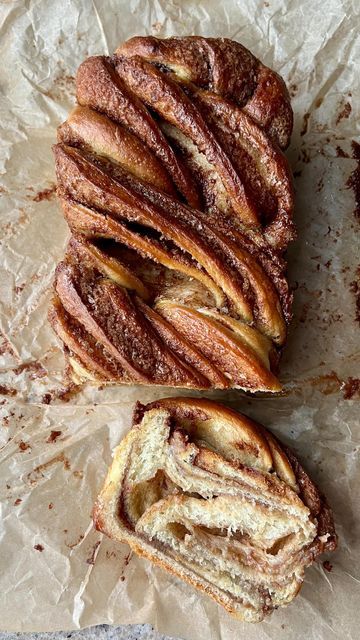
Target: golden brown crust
[[164, 96], [182, 487], [91, 130], [226, 68], [99, 87], [178, 196]]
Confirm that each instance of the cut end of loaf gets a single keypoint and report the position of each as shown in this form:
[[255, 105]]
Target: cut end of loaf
[[214, 498]]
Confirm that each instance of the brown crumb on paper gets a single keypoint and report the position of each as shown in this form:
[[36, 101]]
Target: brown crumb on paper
[[54, 435], [327, 565], [50, 505], [127, 559], [320, 184], [38, 547], [293, 89], [19, 288], [126, 562], [351, 388], [305, 124], [344, 113], [23, 446], [17, 502], [341, 153], [7, 391], [328, 383]]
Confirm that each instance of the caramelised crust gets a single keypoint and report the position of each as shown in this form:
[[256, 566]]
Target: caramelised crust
[[215, 499], [175, 193], [226, 68]]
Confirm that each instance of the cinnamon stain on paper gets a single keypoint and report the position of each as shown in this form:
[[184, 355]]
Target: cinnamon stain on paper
[[92, 556], [126, 562], [344, 112], [76, 543], [12, 228], [305, 124], [38, 473], [34, 368], [63, 86], [65, 394], [328, 384], [6, 346], [45, 194]]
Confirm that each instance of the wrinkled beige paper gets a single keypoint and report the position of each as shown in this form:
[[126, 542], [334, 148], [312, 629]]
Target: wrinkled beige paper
[[56, 572]]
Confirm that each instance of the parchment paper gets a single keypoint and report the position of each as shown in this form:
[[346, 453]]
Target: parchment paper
[[56, 571]]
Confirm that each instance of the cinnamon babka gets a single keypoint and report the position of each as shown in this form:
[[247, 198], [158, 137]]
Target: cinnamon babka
[[179, 198], [214, 498]]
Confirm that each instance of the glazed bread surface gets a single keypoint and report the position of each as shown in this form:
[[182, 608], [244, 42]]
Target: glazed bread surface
[[214, 498], [173, 181]]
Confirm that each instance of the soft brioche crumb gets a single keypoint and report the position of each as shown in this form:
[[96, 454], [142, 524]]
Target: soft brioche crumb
[[212, 497]]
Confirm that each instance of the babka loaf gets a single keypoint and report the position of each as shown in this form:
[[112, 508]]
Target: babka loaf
[[179, 198], [214, 498]]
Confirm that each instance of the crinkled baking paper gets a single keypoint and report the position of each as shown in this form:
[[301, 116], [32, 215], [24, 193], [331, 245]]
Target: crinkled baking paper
[[56, 572]]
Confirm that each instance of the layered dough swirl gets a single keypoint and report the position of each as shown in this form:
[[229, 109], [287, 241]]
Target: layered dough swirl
[[173, 182], [215, 499]]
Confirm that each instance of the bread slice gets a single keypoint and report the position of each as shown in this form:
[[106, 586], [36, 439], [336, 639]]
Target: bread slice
[[214, 498]]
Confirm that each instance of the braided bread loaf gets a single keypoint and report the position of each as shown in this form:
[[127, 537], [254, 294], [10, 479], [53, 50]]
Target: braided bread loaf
[[214, 498], [179, 199]]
